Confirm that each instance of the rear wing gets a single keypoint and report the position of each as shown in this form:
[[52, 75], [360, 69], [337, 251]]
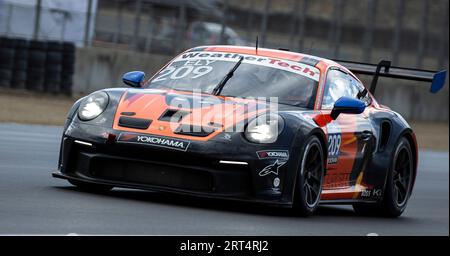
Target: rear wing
[[384, 69]]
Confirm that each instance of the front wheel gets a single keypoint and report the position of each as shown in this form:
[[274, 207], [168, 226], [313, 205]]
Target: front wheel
[[310, 178], [399, 185]]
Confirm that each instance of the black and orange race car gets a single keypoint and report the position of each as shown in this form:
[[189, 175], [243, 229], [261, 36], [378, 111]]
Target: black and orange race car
[[249, 124]]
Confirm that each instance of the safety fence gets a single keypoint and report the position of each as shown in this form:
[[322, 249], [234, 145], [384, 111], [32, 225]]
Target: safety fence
[[411, 33]]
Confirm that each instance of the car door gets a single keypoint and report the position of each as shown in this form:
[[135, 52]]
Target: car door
[[349, 138]]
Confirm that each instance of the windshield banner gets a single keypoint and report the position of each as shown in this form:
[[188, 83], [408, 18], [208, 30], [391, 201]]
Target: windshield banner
[[286, 65]]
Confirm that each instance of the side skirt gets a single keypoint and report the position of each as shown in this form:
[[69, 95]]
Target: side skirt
[[346, 201]]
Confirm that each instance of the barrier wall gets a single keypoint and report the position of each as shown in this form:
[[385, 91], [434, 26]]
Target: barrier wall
[[98, 68]]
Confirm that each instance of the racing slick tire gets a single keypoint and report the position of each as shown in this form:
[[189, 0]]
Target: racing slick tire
[[20, 64], [37, 45], [399, 185], [90, 187], [54, 46], [68, 47], [20, 79], [7, 58], [6, 42], [35, 79], [21, 43], [5, 77], [310, 178], [36, 59]]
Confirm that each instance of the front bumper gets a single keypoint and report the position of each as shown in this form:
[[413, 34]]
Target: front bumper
[[206, 169]]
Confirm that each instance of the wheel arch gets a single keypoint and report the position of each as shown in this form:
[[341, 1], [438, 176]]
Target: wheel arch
[[301, 136], [319, 136], [322, 138], [411, 137]]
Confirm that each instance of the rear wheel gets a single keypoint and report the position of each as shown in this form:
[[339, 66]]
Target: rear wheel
[[90, 186], [398, 185], [310, 178]]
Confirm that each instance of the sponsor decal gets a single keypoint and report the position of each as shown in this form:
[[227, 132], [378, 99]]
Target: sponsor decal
[[309, 61], [159, 141], [272, 168], [334, 181], [188, 69], [273, 154], [227, 137], [334, 145], [276, 182], [205, 58], [334, 142], [371, 193]]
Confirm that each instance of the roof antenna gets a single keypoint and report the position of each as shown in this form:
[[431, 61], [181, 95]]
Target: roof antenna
[[311, 47], [256, 45]]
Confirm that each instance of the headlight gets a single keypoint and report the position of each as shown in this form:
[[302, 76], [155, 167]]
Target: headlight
[[93, 106], [264, 128]]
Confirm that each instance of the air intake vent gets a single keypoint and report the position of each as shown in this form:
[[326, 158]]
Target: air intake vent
[[174, 115], [137, 123], [385, 133], [128, 113]]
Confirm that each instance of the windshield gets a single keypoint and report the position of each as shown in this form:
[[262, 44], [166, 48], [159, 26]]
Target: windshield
[[291, 82]]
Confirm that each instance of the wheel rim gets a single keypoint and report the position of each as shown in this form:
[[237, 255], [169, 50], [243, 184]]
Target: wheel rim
[[312, 168], [402, 177]]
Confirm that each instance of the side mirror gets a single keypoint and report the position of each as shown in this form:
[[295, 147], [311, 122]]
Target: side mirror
[[134, 78], [347, 105]]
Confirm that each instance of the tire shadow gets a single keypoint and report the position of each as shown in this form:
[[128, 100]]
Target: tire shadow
[[222, 205]]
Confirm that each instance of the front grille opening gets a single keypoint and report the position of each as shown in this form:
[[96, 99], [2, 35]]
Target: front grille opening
[[137, 123], [151, 174]]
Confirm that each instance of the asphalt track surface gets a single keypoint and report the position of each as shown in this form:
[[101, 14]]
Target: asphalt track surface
[[32, 202]]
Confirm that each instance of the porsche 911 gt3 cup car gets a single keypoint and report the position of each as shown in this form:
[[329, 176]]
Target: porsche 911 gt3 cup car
[[248, 124]]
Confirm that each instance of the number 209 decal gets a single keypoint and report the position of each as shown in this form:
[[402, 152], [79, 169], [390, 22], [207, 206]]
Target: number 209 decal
[[182, 72], [334, 145]]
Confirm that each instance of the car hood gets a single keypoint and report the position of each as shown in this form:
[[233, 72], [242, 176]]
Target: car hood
[[172, 113]]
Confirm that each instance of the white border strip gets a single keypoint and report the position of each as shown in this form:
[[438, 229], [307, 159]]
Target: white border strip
[[233, 162]]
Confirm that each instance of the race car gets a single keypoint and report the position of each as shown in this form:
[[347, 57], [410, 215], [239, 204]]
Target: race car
[[249, 124]]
